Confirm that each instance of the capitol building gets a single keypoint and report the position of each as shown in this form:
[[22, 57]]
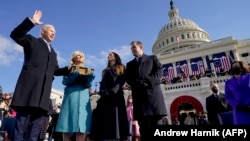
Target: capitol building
[[190, 62]]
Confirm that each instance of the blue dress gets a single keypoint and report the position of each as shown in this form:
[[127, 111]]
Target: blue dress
[[75, 114]]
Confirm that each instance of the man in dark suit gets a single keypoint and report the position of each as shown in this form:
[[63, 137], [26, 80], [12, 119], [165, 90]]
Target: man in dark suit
[[32, 92], [216, 103], [144, 74]]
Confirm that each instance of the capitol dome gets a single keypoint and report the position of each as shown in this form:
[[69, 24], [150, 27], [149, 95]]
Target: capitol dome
[[178, 32]]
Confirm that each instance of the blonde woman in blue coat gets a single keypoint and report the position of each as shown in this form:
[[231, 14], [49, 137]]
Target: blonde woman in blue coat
[[75, 115]]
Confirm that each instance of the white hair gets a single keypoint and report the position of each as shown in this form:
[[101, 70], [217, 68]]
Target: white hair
[[45, 27], [74, 54]]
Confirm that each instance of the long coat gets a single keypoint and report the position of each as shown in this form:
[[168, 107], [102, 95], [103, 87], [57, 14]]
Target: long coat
[[75, 114], [147, 101], [215, 105], [110, 116], [34, 84]]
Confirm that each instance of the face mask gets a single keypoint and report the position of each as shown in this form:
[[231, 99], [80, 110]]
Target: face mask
[[215, 90], [130, 100], [236, 71]]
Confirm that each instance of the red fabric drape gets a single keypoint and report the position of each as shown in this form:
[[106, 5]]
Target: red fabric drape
[[184, 99]]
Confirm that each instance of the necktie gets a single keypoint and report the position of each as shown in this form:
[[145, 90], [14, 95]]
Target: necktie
[[216, 95], [49, 47], [138, 60]]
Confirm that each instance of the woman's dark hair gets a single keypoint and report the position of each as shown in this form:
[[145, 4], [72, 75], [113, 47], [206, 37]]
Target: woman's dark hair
[[118, 60], [119, 67], [243, 65]]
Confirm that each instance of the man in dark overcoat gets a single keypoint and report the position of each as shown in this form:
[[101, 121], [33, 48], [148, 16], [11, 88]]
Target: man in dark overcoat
[[31, 97], [144, 74], [215, 104]]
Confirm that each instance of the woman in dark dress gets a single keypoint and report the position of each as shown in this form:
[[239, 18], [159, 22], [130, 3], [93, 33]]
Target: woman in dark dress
[[110, 116]]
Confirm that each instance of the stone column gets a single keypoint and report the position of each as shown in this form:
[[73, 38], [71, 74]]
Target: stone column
[[189, 67], [204, 62], [174, 66], [212, 64]]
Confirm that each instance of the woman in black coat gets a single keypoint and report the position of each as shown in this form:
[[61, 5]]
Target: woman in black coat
[[110, 116]]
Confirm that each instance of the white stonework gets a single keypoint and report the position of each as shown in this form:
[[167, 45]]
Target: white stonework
[[182, 39], [56, 96], [192, 42]]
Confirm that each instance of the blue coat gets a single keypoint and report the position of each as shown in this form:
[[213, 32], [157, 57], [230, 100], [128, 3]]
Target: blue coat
[[237, 94], [75, 114]]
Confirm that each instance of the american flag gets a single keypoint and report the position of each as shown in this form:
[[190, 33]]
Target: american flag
[[182, 69], [221, 63], [168, 72], [197, 68]]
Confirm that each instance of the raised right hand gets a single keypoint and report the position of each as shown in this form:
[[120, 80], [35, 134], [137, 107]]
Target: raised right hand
[[36, 17]]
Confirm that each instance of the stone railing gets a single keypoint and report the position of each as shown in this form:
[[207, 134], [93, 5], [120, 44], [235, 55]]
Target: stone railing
[[196, 84]]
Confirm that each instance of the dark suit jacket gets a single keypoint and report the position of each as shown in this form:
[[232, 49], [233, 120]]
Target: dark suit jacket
[[216, 105], [34, 84], [146, 101]]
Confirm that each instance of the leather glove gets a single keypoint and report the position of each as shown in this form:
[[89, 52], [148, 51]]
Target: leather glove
[[142, 83]]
